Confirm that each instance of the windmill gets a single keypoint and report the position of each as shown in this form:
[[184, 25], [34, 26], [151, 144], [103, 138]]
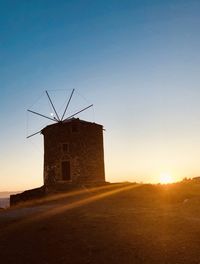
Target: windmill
[[73, 148], [56, 118]]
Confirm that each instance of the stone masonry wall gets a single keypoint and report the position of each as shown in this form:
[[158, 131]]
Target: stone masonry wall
[[84, 143]]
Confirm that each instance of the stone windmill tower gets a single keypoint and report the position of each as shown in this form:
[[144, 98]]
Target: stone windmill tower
[[73, 149]]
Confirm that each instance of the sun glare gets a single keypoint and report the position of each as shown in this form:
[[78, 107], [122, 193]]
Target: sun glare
[[166, 177]]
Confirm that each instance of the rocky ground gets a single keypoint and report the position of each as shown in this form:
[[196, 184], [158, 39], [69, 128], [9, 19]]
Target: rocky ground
[[118, 223]]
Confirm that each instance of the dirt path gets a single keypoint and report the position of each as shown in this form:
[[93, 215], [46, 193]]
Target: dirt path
[[120, 224]]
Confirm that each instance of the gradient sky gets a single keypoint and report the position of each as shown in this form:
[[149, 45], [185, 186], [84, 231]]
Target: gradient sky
[[138, 62]]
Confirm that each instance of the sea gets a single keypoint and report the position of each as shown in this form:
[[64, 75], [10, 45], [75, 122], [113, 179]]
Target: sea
[[4, 202], [5, 199]]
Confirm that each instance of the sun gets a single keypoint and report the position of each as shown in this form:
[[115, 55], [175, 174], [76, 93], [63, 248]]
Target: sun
[[165, 178]]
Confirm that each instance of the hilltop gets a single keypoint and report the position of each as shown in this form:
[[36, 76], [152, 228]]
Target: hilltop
[[118, 223]]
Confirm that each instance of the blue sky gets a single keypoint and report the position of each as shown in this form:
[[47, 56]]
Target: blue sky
[[137, 61]]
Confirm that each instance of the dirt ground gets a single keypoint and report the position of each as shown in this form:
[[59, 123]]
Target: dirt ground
[[119, 223]]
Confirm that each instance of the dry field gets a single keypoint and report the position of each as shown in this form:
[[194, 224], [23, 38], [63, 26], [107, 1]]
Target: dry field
[[118, 223]]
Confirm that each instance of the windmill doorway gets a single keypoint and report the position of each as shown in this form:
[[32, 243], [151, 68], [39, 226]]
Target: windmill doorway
[[66, 176]]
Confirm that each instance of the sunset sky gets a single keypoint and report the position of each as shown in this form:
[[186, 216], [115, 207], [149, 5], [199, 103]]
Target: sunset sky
[[137, 61]]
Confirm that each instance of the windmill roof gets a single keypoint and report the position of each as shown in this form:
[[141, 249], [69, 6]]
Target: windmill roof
[[71, 120]]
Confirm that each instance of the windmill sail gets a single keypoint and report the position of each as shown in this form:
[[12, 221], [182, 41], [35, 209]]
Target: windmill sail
[[57, 118]]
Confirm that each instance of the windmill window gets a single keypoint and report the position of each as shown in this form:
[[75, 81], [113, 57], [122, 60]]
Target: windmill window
[[65, 147]]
